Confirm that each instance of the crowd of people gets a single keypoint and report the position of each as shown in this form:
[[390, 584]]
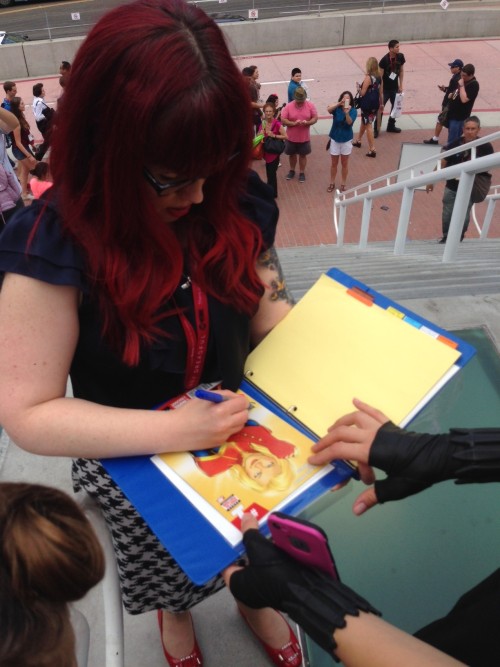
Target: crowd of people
[[26, 157], [147, 268], [382, 83]]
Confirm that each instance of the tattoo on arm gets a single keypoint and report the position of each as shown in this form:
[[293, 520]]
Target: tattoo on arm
[[279, 290]]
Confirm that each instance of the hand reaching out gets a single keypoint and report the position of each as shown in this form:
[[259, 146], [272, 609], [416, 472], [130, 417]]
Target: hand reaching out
[[351, 438]]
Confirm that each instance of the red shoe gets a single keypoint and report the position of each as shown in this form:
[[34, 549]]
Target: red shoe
[[289, 655], [194, 659]]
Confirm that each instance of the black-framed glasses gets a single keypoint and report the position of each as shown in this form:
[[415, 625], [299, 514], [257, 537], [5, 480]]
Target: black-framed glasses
[[173, 184]]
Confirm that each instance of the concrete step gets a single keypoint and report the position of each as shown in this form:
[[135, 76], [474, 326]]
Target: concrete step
[[419, 273]]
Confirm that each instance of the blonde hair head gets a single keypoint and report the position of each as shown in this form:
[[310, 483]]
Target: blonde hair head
[[372, 67], [280, 483]]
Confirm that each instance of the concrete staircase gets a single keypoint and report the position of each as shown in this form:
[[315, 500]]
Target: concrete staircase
[[418, 274]]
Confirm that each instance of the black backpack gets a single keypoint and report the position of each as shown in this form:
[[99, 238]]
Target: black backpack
[[371, 99]]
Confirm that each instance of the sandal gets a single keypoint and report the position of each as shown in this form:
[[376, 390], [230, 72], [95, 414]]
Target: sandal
[[331, 187], [342, 187], [371, 154], [357, 144]]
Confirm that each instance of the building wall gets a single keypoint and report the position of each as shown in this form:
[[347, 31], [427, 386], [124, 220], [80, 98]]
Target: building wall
[[35, 59]]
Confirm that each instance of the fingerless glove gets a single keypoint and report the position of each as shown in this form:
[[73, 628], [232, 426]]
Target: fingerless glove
[[315, 601], [415, 461]]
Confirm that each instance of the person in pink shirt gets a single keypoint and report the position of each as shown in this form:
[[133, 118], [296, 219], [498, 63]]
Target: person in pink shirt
[[272, 127], [41, 180], [298, 116]]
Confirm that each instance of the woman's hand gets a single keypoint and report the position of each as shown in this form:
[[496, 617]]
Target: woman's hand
[[351, 438], [207, 424], [317, 602], [32, 161]]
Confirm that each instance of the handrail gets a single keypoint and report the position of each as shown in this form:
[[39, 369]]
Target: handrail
[[491, 200], [434, 158], [464, 171]]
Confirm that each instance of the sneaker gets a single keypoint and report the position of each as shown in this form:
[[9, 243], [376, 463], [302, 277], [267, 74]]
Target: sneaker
[[302, 177], [290, 175], [442, 240], [393, 128], [431, 141]]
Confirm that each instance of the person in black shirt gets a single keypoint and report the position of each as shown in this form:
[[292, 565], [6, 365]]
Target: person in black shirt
[[456, 69], [337, 618], [392, 73], [471, 133], [462, 102]]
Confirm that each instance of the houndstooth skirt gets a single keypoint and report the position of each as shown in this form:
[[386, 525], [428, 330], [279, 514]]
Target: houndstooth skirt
[[150, 578]]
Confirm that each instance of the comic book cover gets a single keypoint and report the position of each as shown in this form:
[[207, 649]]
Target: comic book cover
[[257, 470]]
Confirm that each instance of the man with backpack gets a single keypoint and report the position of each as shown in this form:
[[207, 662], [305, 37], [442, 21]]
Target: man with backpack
[[43, 117]]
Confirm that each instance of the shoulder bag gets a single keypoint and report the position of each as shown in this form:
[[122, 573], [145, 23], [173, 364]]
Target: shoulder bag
[[443, 116], [273, 145], [480, 187]]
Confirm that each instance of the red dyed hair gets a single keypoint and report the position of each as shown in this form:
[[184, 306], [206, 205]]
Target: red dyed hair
[[154, 83]]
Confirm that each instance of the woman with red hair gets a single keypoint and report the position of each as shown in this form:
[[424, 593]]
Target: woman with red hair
[[146, 269]]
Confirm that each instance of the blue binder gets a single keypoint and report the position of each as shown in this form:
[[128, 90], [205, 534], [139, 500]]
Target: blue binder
[[198, 548]]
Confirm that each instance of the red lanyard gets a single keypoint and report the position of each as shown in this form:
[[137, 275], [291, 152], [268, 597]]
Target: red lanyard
[[196, 338]]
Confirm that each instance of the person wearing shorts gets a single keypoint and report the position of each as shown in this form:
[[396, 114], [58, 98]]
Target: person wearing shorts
[[298, 116], [341, 135]]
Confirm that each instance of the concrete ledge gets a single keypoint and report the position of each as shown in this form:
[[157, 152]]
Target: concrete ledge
[[35, 59], [12, 62], [419, 24], [334, 29], [44, 58]]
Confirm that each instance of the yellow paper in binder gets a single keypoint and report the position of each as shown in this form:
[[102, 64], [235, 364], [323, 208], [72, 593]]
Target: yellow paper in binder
[[333, 347]]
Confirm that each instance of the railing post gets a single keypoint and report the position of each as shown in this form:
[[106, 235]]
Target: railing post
[[404, 219], [487, 219], [341, 229], [365, 223], [457, 218]]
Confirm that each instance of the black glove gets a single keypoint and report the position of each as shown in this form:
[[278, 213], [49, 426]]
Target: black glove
[[415, 461], [315, 601]]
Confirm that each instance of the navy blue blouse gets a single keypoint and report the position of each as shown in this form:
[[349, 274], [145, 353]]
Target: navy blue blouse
[[97, 372]]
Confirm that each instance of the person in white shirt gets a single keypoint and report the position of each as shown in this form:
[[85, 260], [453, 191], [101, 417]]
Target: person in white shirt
[[43, 117]]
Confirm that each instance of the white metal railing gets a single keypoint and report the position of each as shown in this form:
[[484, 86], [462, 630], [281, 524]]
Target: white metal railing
[[491, 200], [383, 186]]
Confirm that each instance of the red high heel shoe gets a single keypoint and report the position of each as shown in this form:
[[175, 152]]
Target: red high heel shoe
[[289, 655], [194, 659]]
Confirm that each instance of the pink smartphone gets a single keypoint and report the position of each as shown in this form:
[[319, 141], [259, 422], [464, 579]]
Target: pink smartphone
[[303, 541]]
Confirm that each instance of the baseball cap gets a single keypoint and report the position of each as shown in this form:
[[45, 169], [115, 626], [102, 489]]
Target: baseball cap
[[456, 63]]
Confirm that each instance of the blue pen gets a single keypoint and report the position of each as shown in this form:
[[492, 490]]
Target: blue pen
[[209, 396]]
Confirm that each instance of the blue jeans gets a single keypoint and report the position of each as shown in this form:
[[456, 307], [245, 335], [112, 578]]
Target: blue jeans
[[449, 197], [455, 128]]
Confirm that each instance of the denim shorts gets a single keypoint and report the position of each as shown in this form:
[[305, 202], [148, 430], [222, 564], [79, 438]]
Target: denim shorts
[[18, 154]]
